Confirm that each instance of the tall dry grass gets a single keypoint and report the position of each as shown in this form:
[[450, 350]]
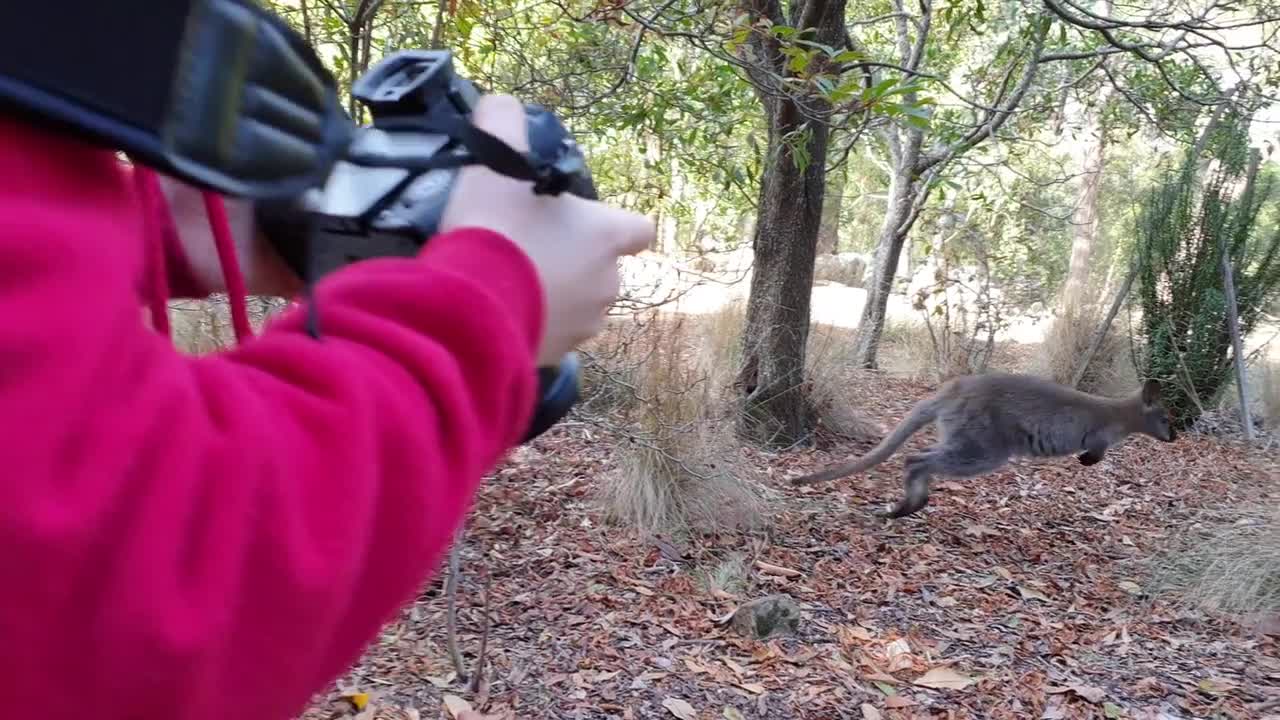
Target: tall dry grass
[[1067, 339], [666, 384], [1230, 563], [679, 467]]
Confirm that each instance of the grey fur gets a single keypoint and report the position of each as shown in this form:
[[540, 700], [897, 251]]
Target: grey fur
[[986, 420]]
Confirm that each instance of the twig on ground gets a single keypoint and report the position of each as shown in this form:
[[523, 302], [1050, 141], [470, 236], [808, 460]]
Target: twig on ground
[[450, 592], [477, 680]]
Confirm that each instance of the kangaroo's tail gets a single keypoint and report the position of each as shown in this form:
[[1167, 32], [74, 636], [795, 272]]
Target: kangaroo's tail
[[922, 414]]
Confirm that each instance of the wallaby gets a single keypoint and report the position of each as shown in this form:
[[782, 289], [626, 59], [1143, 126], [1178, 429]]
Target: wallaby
[[986, 420]]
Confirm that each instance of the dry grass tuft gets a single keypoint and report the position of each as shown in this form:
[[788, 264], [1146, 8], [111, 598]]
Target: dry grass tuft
[[1268, 385], [918, 352], [1231, 565], [720, 346], [732, 575], [679, 468], [830, 356], [1066, 341]]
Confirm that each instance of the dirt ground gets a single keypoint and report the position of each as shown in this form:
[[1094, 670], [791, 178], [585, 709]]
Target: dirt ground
[[1022, 594]]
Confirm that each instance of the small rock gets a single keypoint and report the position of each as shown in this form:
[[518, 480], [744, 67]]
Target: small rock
[[767, 616]]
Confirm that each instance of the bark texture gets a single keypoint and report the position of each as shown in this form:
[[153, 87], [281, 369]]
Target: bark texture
[[772, 377]]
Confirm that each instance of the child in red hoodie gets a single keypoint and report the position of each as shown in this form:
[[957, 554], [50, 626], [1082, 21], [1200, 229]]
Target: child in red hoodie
[[220, 537]]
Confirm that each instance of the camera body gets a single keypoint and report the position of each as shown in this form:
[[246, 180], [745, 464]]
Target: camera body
[[386, 194]]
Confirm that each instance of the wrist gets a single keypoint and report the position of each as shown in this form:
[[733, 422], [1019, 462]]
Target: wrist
[[507, 270]]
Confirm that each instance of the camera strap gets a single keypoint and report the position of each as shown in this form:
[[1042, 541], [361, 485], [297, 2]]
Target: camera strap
[[483, 148], [219, 93]]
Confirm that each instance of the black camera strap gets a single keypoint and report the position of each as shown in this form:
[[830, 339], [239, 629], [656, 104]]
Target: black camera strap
[[483, 148], [219, 93]]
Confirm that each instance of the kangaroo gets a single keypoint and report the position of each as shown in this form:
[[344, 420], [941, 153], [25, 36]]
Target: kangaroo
[[986, 420]]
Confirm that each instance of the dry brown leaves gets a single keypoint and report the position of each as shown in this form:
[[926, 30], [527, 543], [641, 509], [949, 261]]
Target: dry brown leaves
[[1018, 595]]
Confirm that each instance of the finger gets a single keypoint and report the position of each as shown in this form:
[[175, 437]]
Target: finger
[[631, 232], [503, 116]]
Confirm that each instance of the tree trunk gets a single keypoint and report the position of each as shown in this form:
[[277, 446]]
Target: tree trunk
[[776, 333], [777, 410], [1085, 220], [829, 229], [666, 222], [903, 189]]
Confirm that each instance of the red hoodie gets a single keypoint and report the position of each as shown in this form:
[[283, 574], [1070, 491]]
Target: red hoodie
[[220, 537]]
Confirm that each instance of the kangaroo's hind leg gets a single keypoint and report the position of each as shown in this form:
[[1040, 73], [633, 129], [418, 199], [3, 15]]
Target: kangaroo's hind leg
[[917, 472], [957, 458]]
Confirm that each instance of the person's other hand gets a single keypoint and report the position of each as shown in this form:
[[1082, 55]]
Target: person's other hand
[[574, 243], [265, 272]]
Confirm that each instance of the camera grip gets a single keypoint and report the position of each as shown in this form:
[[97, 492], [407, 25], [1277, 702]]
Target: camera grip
[[557, 393]]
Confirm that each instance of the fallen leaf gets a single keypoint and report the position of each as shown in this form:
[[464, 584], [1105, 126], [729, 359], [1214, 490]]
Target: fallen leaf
[[943, 677], [1112, 710], [731, 713], [358, 700], [1088, 692], [1092, 694], [1211, 686], [680, 709], [756, 688], [1055, 709], [771, 569], [894, 702], [869, 712], [456, 705], [849, 633], [1130, 587], [1031, 594], [442, 682], [886, 688], [979, 531]]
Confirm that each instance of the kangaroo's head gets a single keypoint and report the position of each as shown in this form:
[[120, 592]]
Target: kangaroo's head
[[1154, 416]]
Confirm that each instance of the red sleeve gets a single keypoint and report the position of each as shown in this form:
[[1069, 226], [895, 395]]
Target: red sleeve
[[201, 539]]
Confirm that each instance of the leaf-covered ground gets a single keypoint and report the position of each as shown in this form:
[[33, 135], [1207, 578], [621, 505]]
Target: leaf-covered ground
[[1023, 594]]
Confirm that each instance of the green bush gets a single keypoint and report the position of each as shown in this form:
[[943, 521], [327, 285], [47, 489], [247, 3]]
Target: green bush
[[1184, 225]]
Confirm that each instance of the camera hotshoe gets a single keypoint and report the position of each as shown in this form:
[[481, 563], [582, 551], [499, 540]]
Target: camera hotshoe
[[386, 194]]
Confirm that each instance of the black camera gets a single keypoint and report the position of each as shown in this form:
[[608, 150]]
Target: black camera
[[386, 194]]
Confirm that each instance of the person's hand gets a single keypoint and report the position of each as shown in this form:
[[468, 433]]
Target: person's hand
[[574, 243], [265, 272]]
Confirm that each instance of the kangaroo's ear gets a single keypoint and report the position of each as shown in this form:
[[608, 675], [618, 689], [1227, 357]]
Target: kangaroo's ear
[[1150, 392]]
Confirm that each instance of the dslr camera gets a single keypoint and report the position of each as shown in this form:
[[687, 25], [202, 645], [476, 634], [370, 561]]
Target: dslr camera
[[385, 195]]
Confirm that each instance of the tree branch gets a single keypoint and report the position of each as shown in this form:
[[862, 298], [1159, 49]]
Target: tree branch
[[1001, 114]]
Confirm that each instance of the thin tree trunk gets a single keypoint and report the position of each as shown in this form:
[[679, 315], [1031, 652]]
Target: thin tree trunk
[[1237, 349], [306, 23], [1233, 315], [829, 230], [671, 220], [1086, 220], [893, 234]]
